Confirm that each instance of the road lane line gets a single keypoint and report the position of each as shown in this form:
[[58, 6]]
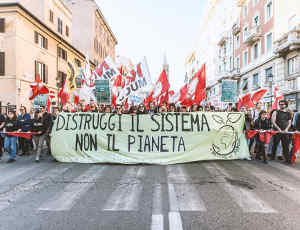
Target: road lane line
[[38, 182], [175, 222], [285, 188], [157, 222], [127, 195], [187, 194], [246, 199], [65, 200]]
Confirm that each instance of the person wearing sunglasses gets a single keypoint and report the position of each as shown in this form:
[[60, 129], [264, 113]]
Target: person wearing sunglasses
[[281, 120]]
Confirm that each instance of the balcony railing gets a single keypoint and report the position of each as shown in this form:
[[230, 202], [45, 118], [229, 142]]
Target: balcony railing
[[236, 28], [288, 43], [222, 38], [253, 35]]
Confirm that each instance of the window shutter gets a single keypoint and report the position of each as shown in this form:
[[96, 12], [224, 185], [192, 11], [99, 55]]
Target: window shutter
[[46, 43], [46, 74], [2, 25], [36, 69], [66, 55], [36, 37], [58, 52], [2, 63]]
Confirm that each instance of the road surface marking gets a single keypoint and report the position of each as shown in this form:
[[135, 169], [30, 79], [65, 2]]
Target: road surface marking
[[157, 222], [22, 190], [285, 188], [246, 199], [127, 195], [66, 199]]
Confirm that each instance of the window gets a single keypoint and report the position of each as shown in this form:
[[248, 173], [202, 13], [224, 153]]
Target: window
[[78, 62], [269, 43], [220, 68], [2, 25], [230, 63], [2, 63], [245, 34], [256, 20], [40, 40], [245, 58], [59, 26], [67, 31], [292, 84], [42, 70], [225, 49], [245, 84], [238, 65], [246, 10], [255, 81], [255, 2], [255, 51], [60, 79], [62, 53], [292, 65], [225, 66], [269, 10], [238, 41], [269, 73], [51, 16]]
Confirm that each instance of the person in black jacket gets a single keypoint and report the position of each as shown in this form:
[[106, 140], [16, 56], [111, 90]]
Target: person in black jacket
[[262, 124], [24, 120], [10, 142], [44, 131]]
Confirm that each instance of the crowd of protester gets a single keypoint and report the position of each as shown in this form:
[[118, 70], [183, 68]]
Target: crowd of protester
[[40, 122]]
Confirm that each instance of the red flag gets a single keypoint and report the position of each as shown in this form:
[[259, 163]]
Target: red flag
[[162, 86], [258, 95], [164, 97], [296, 147], [200, 93], [37, 88], [48, 105], [277, 97], [245, 101], [64, 94]]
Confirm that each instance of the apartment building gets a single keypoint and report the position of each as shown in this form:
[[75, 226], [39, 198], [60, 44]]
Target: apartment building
[[91, 32], [30, 46], [265, 39]]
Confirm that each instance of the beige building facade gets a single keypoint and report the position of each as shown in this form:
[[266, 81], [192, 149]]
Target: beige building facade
[[91, 32], [29, 47]]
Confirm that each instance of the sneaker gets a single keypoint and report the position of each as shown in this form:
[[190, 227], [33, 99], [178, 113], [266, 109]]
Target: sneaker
[[37, 160], [265, 162], [11, 160]]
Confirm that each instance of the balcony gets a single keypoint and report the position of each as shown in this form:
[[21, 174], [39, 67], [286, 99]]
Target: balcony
[[253, 35], [222, 39], [236, 28], [235, 74], [288, 43]]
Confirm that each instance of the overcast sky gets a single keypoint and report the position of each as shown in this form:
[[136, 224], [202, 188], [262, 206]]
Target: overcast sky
[[153, 27]]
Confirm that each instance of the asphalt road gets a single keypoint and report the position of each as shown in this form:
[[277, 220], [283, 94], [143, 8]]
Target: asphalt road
[[206, 195]]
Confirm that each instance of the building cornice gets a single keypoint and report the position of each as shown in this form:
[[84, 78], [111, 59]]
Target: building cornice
[[98, 11], [19, 8]]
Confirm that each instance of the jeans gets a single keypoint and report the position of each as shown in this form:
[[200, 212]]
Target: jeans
[[10, 145]]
